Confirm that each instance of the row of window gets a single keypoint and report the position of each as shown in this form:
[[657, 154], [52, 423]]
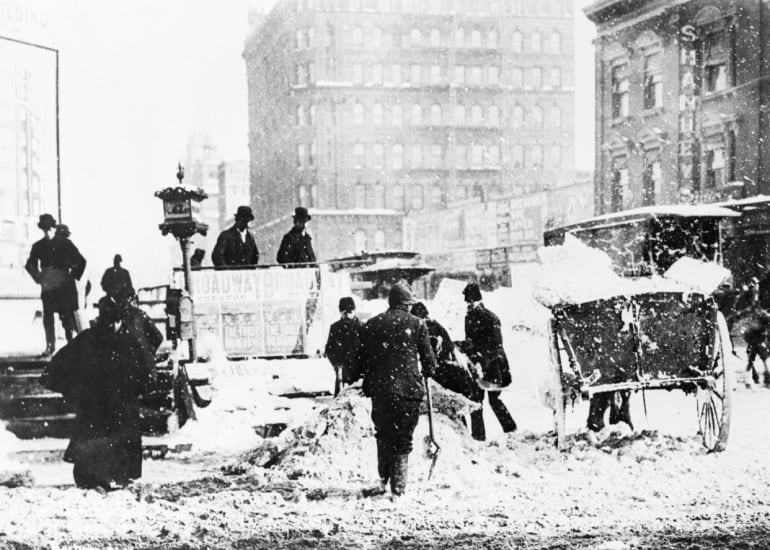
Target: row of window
[[713, 60], [435, 75], [431, 156], [435, 116], [414, 196], [491, 7]]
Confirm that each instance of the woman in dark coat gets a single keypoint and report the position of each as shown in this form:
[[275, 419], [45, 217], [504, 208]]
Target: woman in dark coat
[[102, 373]]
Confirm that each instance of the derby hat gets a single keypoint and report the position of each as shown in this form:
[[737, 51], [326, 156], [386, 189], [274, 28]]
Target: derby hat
[[244, 213], [301, 213], [47, 221], [63, 230]]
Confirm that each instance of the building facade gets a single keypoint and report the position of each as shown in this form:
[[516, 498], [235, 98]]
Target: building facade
[[681, 95], [234, 189], [402, 106]]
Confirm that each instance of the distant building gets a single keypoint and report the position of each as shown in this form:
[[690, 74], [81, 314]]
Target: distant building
[[202, 170], [368, 110], [234, 189], [681, 101]]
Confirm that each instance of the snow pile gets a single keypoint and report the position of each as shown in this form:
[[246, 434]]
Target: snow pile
[[12, 474], [703, 277], [337, 444], [517, 309], [575, 273]]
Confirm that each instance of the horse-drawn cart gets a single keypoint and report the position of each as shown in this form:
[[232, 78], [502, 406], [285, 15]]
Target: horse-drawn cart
[[656, 337]]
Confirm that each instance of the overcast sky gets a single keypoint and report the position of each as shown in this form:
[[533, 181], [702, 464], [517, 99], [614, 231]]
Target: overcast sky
[[137, 78]]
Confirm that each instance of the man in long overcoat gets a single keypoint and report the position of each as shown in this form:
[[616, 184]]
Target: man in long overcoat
[[116, 281], [55, 264], [392, 343], [484, 345], [342, 344], [236, 246], [296, 245], [102, 373]]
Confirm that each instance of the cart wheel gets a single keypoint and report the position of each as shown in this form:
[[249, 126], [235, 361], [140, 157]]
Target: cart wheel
[[715, 401], [558, 404]]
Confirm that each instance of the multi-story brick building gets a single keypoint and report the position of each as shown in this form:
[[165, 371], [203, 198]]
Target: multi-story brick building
[[364, 110], [681, 101]]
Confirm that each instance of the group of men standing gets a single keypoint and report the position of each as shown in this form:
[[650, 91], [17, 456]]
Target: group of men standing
[[236, 246], [395, 352]]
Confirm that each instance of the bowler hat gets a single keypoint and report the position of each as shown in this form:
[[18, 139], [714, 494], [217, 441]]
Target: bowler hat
[[47, 221], [419, 310], [244, 213], [400, 294], [472, 293], [300, 213], [347, 304], [63, 230]]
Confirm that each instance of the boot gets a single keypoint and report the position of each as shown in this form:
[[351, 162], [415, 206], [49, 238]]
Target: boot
[[383, 469], [399, 471], [50, 335]]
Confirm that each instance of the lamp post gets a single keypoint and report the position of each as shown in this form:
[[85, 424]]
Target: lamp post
[[182, 218]]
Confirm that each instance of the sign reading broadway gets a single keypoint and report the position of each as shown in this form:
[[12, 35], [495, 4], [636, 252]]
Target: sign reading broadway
[[266, 312]]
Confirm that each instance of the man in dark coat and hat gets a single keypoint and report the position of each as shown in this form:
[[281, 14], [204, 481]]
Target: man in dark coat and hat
[[55, 264], [116, 281], [342, 344], [102, 373], [484, 345], [391, 345], [297, 246], [236, 246]]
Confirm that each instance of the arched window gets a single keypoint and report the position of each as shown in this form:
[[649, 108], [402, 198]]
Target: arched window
[[435, 38], [310, 38], [417, 155], [377, 38], [494, 115], [358, 37], [398, 156], [536, 45], [302, 194], [379, 240], [436, 156], [517, 42], [536, 157], [492, 39], [311, 117], [555, 42], [435, 196], [555, 117], [493, 155], [359, 156], [477, 156], [376, 73], [476, 38], [537, 117], [300, 115], [300, 40], [555, 156], [379, 196], [314, 195], [493, 75], [360, 196], [459, 37], [435, 114], [397, 115], [377, 114], [517, 77], [398, 197], [518, 115], [359, 241], [417, 198], [476, 115], [416, 115], [358, 114], [378, 156], [518, 156], [459, 114], [415, 37]]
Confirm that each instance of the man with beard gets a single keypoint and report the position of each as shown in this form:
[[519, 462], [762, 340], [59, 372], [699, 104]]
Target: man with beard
[[484, 346], [391, 344], [102, 373]]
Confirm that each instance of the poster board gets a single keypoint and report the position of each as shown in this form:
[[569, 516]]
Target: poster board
[[266, 312]]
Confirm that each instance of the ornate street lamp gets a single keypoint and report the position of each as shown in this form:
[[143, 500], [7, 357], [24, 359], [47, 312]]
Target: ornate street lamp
[[182, 218]]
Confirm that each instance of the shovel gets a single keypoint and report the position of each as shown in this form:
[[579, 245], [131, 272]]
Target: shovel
[[436, 447]]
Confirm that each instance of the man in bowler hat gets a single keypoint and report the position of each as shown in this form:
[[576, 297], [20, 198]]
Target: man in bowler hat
[[296, 246], [55, 264], [236, 246]]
